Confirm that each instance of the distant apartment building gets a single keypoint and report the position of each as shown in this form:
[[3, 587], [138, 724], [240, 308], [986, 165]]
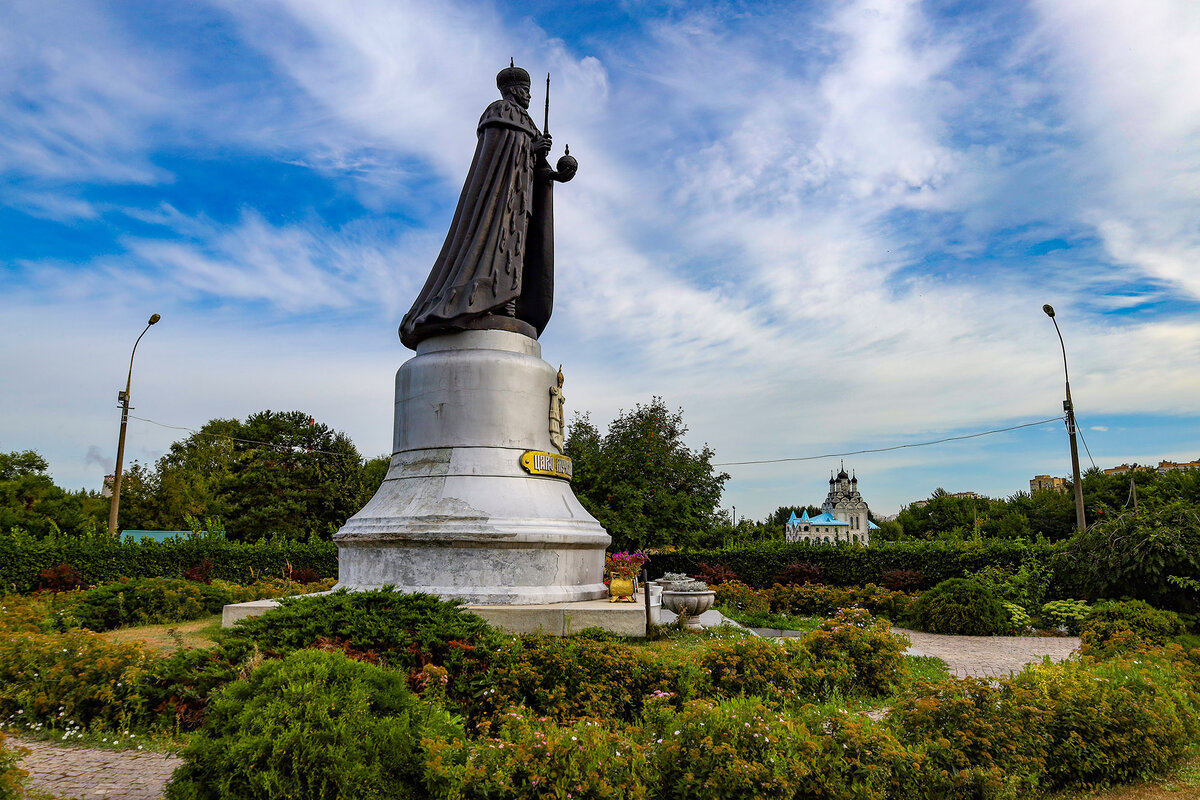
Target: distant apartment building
[[1126, 468], [1168, 466], [843, 518], [1041, 483]]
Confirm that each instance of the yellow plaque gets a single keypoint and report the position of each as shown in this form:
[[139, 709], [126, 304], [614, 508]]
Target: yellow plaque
[[552, 465]]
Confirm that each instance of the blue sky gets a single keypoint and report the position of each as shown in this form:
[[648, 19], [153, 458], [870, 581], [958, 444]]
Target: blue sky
[[816, 228]]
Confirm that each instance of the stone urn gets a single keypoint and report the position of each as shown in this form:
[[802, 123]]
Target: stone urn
[[689, 602]]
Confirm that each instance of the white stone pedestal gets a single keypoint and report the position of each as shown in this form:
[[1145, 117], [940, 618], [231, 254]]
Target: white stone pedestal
[[456, 515]]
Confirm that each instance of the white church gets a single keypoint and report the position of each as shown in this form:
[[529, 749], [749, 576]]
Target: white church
[[843, 518]]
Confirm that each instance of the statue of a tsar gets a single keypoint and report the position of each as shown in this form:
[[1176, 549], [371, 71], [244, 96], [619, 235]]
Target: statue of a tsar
[[496, 268]]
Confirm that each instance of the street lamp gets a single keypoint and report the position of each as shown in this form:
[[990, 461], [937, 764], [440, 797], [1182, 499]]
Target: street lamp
[[123, 398], [1069, 407]]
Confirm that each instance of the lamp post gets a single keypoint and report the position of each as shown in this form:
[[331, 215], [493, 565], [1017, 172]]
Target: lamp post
[[1069, 407], [123, 397]]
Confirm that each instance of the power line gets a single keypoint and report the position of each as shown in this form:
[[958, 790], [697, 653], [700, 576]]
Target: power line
[[273, 445], [893, 447]]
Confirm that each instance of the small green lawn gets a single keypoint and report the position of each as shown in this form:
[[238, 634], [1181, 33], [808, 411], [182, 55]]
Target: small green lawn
[[169, 636]]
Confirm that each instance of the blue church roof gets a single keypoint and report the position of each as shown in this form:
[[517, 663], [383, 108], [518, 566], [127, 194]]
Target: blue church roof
[[827, 519]]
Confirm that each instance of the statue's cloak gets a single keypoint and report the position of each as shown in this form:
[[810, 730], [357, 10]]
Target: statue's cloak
[[500, 246]]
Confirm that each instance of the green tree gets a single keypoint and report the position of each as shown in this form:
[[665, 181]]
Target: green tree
[[290, 476], [641, 481], [30, 500]]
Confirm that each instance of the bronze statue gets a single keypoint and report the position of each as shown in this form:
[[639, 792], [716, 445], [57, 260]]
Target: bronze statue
[[496, 267]]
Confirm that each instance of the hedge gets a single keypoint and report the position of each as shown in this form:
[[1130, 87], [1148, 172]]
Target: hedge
[[758, 565], [101, 559]]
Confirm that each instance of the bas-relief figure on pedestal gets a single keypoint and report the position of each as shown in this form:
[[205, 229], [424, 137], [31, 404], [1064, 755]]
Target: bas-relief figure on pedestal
[[496, 267], [557, 417]]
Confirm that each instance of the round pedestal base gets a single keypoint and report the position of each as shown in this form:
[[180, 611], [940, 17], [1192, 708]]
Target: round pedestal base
[[457, 516]]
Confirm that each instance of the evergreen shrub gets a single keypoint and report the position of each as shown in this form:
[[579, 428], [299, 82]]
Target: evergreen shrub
[[405, 631], [315, 725], [143, 601], [865, 643], [960, 606]]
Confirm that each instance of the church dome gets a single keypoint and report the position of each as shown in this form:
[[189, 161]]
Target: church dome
[[842, 475]]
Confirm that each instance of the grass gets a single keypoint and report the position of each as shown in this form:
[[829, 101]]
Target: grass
[[169, 636], [781, 622]]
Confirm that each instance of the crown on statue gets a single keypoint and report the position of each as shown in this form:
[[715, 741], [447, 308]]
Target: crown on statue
[[511, 76]]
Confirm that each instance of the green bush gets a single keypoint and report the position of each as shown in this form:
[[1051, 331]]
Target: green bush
[[1068, 614], [12, 777], [758, 564], [979, 737], [1137, 552], [742, 597], [1113, 627], [73, 681], [1114, 721], [142, 601], [1018, 618], [959, 606], [820, 600], [742, 749], [571, 677], [405, 631], [100, 559], [312, 725], [527, 757], [865, 643]]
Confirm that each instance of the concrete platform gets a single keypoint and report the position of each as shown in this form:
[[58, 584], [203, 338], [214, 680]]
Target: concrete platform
[[557, 619]]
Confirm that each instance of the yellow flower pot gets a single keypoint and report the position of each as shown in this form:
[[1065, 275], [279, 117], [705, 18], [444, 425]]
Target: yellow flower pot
[[620, 590]]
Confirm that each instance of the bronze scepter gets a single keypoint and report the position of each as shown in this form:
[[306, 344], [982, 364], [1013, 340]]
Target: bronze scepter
[[546, 122]]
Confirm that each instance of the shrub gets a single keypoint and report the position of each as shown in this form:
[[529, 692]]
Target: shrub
[[200, 572], [141, 601], [757, 564], [855, 638], [742, 597], [314, 725], [800, 572], [526, 757], [1114, 721], [62, 578], [75, 680], [12, 777], [103, 558], [1018, 618], [778, 672], [1136, 552], [570, 677], [980, 737], [901, 580], [1114, 627], [407, 630], [818, 599], [1068, 614], [178, 688], [960, 606], [713, 574], [742, 749]]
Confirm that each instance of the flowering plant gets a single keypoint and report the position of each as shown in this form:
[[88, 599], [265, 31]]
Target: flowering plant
[[624, 565]]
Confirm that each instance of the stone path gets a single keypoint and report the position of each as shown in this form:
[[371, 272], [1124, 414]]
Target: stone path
[[77, 772], [988, 656]]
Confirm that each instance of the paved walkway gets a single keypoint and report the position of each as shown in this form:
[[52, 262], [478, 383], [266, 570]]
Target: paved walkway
[[77, 772], [989, 656]]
